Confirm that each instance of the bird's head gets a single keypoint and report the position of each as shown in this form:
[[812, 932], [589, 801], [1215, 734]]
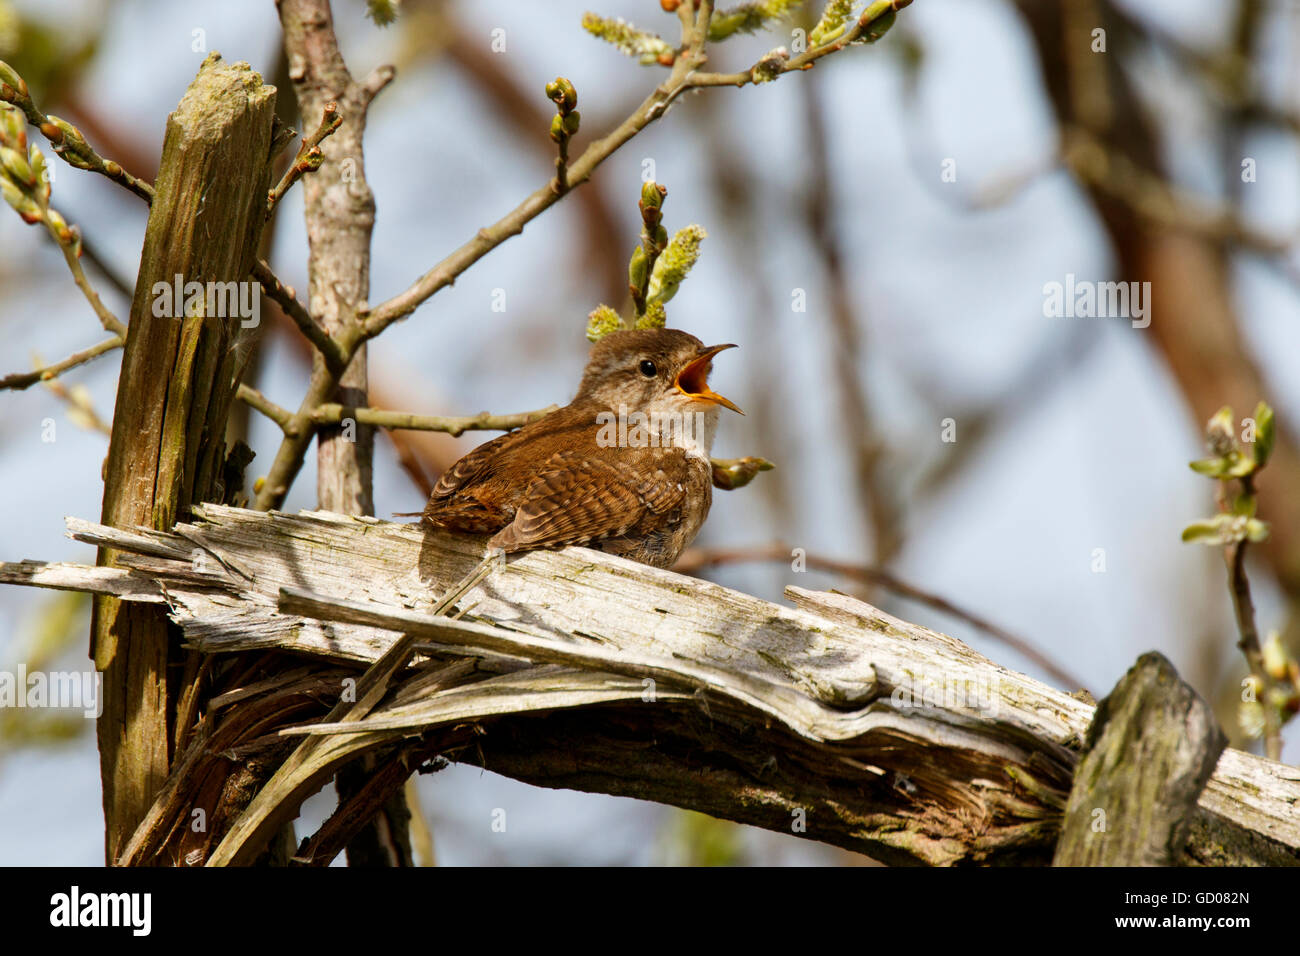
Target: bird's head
[[652, 369]]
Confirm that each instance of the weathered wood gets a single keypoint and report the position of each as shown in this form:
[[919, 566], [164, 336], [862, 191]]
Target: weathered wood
[[1150, 750], [765, 714], [179, 374]]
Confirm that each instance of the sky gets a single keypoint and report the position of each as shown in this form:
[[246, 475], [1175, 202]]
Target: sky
[[950, 305]]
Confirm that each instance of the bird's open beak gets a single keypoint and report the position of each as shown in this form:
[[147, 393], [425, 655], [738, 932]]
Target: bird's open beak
[[693, 380]]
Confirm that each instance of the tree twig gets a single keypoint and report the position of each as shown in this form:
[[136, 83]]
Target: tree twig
[[66, 139], [309, 156], [21, 380], [259, 402], [333, 413], [286, 299]]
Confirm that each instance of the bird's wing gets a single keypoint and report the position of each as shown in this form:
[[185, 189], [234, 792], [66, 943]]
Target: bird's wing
[[578, 498], [470, 467]]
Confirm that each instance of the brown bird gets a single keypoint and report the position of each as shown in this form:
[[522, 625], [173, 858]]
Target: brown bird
[[623, 468]]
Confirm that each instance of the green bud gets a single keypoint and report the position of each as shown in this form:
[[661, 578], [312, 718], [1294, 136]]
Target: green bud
[[42, 173], [561, 92], [646, 47], [9, 77], [749, 17], [732, 473], [70, 144], [23, 203], [60, 226], [652, 195], [832, 22], [17, 167], [1256, 530], [1225, 529], [1212, 467], [770, 66], [571, 122], [1250, 716], [557, 128], [382, 12], [675, 262], [13, 127], [1218, 433], [1265, 434], [636, 269], [1277, 662], [602, 321], [654, 318]]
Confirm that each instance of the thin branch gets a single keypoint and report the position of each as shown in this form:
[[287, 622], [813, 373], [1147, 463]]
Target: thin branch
[[579, 171], [66, 139], [1243, 608], [309, 156], [21, 380], [375, 81], [285, 297], [697, 559], [259, 402], [334, 413], [370, 322], [69, 243], [81, 408], [769, 68]]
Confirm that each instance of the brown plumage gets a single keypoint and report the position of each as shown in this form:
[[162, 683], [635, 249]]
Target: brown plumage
[[560, 480]]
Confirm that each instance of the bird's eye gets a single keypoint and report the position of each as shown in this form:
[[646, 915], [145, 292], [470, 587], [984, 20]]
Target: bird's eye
[[648, 368]]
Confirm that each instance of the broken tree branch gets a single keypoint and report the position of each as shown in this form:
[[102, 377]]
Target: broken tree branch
[[594, 673]]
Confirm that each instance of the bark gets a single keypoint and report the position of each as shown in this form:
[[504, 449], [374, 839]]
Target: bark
[[1151, 749], [177, 381]]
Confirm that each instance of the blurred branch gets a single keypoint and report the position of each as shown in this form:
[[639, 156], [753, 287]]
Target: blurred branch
[[21, 380], [81, 408], [698, 559], [334, 413], [66, 139], [868, 450], [285, 298], [363, 323], [256, 400], [868, 28]]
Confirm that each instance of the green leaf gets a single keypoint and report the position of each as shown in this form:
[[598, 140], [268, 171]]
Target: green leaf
[[1213, 467], [1241, 466], [1265, 434], [1204, 532], [1223, 529]]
